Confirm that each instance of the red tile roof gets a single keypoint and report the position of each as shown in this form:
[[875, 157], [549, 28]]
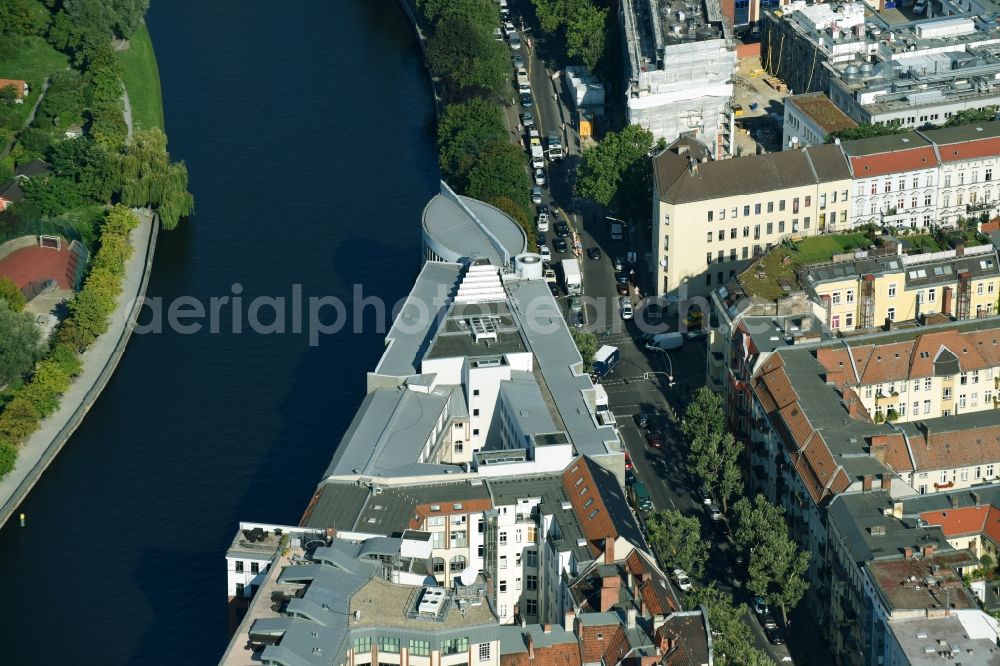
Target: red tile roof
[[558, 654], [603, 642], [958, 522], [16, 83], [595, 521], [897, 161], [968, 150]]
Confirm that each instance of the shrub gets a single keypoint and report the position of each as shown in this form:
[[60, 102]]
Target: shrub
[[66, 358], [19, 419], [8, 458]]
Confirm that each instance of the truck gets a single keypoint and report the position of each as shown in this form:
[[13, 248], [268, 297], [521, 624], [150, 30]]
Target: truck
[[666, 341], [555, 147], [640, 497], [571, 277], [617, 231], [537, 154], [605, 360]]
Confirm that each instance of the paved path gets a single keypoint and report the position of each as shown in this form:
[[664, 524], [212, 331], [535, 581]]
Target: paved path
[[128, 112], [99, 362], [30, 119]]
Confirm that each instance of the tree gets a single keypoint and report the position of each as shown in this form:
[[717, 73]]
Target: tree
[[106, 17], [777, 566], [483, 13], [467, 57], [517, 212], [11, 293], [586, 344], [585, 35], [704, 417], [731, 635], [149, 178], [465, 129], [8, 458], [716, 462], [500, 171], [970, 116], [18, 420], [619, 170], [19, 338], [677, 540], [21, 18], [865, 131]]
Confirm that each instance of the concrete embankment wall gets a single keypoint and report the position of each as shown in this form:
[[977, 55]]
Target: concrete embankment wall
[[421, 28], [100, 362], [12, 246]]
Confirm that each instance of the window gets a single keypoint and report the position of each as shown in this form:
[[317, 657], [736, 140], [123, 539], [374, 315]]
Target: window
[[835, 298], [709, 238], [455, 646], [849, 319], [746, 252], [979, 473], [746, 231], [733, 232], [822, 201], [874, 189], [722, 213], [722, 234], [989, 173], [975, 376], [475, 391], [975, 399], [927, 406], [927, 383], [388, 644], [943, 476], [503, 561], [946, 394], [901, 409], [420, 648], [868, 391], [517, 584], [721, 256], [850, 295], [781, 205], [437, 565], [891, 313], [732, 254], [475, 432], [709, 216], [927, 200], [892, 290], [931, 296], [979, 288], [475, 412], [770, 228], [531, 606], [531, 558], [532, 582], [484, 652], [756, 209], [770, 206], [756, 232], [708, 258], [503, 586], [255, 567], [363, 644], [239, 589], [532, 533], [916, 407], [835, 322], [888, 186], [989, 471], [503, 538], [963, 378], [961, 400], [795, 205], [457, 563], [916, 182], [746, 210], [239, 566]]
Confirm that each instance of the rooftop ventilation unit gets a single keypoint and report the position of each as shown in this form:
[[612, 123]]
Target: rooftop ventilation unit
[[431, 601], [483, 328]]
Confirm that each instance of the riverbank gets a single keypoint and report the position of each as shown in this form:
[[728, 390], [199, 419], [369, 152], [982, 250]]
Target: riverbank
[[421, 29], [141, 77], [99, 363]]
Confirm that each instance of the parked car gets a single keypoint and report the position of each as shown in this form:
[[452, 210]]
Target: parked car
[[622, 288], [594, 253], [527, 120], [539, 241], [515, 42], [625, 305], [518, 60], [543, 222], [540, 177], [621, 278], [775, 636], [575, 305], [526, 100], [642, 420], [714, 512], [682, 579], [758, 605], [628, 461], [554, 288], [559, 244], [542, 209], [619, 264], [544, 251], [654, 439], [509, 28], [629, 477], [536, 195], [706, 498], [562, 229], [498, 34], [767, 620]]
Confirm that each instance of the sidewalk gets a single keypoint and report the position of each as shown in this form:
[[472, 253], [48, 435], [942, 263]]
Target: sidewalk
[[99, 362]]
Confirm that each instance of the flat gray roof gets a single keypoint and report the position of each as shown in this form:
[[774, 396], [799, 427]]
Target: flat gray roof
[[919, 640], [418, 319], [473, 229], [526, 404], [389, 430], [855, 514], [558, 360]]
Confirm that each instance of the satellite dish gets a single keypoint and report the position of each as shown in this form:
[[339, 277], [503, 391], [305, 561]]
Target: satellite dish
[[469, 575]]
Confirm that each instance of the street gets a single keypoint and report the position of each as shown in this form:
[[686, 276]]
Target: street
[[641, 381]]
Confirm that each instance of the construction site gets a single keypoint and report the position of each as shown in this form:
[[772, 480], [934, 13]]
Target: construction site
[[680, 64]]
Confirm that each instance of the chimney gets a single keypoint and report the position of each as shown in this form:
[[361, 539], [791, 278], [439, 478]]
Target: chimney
[[928, 551], [897, 510], [884, 481], [960, 250], [610, 591], [568, 618], [531, 647], [953, 499], [661, 643], [693, 166], [907, 553], [866, 483], [946, 297], [977, 499], [643, 608], [546, 628], [609, 550], [630, 618]]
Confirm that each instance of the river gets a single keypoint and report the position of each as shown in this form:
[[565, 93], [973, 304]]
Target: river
[[307, 130]]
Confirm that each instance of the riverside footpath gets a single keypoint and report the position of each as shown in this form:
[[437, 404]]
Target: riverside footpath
[[99, 363]]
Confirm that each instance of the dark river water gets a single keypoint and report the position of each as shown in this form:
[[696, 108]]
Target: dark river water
[[306, 127]]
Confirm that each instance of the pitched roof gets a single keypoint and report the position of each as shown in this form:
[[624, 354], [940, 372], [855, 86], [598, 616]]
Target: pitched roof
[[966, 142], [599, 504], [881, 163], [690, 633], [603, 643], [17, 84], [958, 521], [676, 183], [12, 192]]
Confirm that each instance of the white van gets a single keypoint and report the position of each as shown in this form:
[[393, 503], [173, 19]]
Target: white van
[[666, 341]]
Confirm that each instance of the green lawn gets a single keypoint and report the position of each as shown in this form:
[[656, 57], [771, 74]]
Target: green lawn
[[142, 81], [33, 61], [815, 249]]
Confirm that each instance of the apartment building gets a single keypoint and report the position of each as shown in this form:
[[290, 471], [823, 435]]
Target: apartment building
[[877, 291], [809, 119], [969, 157], [711, 218]]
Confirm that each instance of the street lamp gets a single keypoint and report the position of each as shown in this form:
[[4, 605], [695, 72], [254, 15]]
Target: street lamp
[[648, 375]]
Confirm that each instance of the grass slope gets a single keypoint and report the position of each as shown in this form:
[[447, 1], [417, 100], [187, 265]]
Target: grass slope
[[142, 81], [33, 60]]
